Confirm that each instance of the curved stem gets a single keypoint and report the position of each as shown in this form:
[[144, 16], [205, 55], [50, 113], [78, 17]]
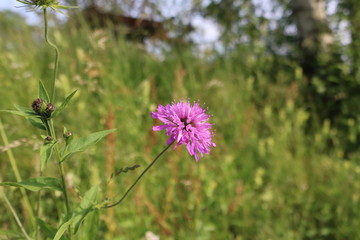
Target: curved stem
[[52, 97], [140, 176], [15, 215]]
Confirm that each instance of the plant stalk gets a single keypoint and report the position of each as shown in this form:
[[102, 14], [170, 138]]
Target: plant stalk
[[57, 53], [140, 176], [51, 131]]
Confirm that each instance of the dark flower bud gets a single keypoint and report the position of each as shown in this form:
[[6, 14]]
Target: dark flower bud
[[67, 135], [49, 108], [37, 105], [48, 139]]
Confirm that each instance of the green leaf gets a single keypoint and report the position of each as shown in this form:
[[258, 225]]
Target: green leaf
[[36, 184], [90, 227], [63, 105], [47, 230], [24, 109], [36, 122], [20, 113], [81, 144], [62, 229], [86, 206], [43, 93], [45, 153]]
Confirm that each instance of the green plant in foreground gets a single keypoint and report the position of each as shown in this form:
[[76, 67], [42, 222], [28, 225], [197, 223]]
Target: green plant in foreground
[[185, 124]]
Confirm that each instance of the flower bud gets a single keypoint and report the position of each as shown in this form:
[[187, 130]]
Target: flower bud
[[67, 135], [37, 105], [49, 109], [48, 138]]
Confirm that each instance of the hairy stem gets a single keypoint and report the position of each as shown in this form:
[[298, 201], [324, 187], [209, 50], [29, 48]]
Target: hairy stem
[[15, 215], [140, 176], [52, 97]]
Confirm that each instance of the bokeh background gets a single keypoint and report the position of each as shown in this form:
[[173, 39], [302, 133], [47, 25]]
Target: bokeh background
[[280, 77]]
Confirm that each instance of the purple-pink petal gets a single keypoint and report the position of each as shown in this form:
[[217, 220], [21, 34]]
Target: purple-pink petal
[[159, 128], [186, 124]]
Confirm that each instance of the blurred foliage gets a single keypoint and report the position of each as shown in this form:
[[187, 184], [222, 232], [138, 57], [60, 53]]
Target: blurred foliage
[[268, 178]]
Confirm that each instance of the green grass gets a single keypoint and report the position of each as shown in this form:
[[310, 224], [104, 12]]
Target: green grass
[[266, 179]]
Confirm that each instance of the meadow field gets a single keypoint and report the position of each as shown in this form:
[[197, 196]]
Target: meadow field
[[267, 178]]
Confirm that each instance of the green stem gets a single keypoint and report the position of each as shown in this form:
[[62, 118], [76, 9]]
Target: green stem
[[15, 215], [49, 125], [52, 97], [15, 169], [51, 130], [140, 176]]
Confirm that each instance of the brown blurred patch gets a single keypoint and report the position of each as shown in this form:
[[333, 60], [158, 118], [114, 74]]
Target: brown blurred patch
[[178, 84], [235, 203], [110, 151], [249, 119], [158, 216]]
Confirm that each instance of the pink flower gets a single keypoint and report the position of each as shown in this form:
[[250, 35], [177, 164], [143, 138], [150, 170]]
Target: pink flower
[[186, 124]]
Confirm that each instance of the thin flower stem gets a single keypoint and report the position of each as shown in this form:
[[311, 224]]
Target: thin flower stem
[[15, 215], [52, 97], [140, 176], [49, 123], [15, 169]]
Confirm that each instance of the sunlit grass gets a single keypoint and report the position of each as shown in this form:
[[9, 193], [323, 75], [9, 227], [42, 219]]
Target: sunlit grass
[[266, 179]]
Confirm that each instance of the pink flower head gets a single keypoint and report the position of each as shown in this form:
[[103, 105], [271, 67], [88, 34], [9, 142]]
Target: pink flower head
[[186, 124]]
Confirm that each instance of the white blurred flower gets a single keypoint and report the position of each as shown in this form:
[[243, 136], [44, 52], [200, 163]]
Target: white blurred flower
[[151, 236]]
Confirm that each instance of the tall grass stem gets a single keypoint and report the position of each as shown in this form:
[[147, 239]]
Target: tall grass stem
[[15, 215], [15, 169]]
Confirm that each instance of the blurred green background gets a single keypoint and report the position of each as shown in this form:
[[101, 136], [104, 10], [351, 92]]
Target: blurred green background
[[284, 100]]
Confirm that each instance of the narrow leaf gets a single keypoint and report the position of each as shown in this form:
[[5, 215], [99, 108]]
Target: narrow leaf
[[90, 228], [24, 109], [45, 153], [20, 113], [124, 170], [36, 122], [36, 184], [81, 144], [42, 92], [62, 229], [86, 206], [63, 105], [46, 229]]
